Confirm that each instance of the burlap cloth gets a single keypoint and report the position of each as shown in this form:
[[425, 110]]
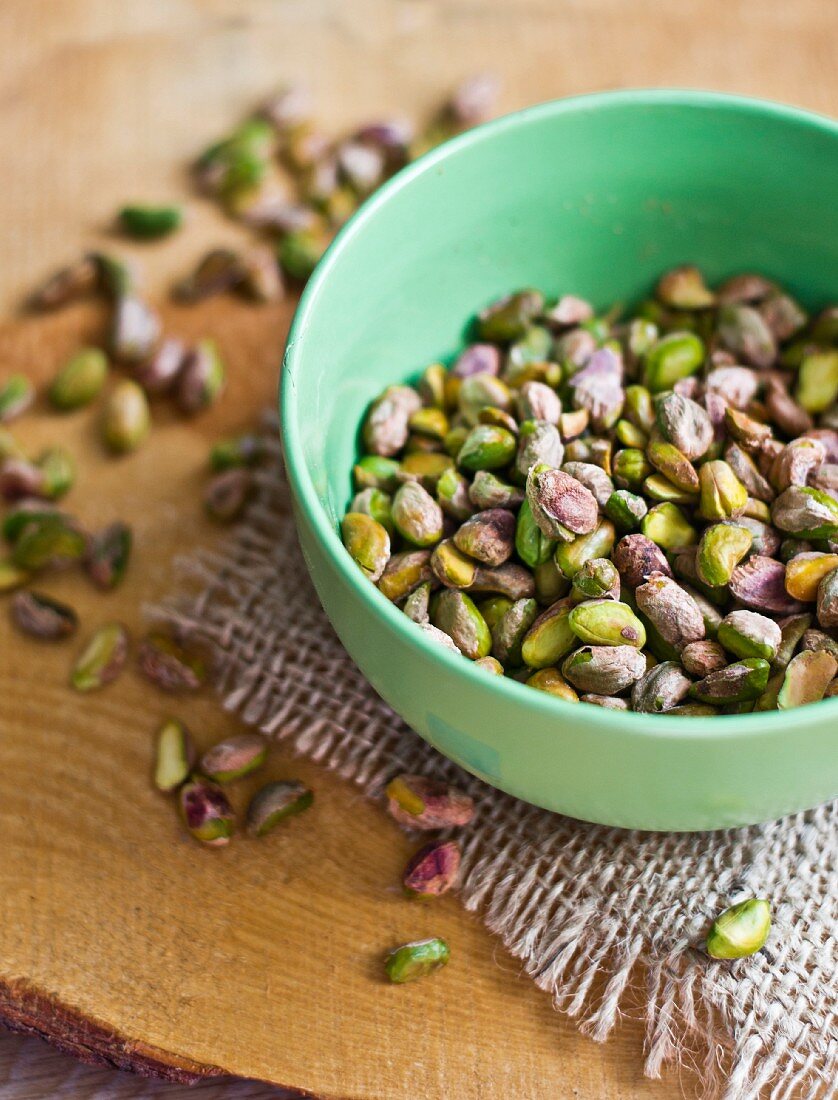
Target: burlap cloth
[[591, 912]]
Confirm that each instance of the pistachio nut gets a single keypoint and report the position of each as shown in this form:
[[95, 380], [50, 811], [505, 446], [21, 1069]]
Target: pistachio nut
[[426, 468], [722, 493], [417, 603], [234, 758], [573, 424], [220, 270], [126, 420], [376, 472], [630, 468], [206, 812], [598, 387], [804, 573], [748, 473], [748, 634], [419, 802], [509, 631], [135, 330], [674, 465], [539, 443], [416, 960], [490, 664], [640, 408], [607, 622], [793, 628], [630, 435], [201, 378], [740, 682], [561, 506], [175, 755], [274, 803], [672, 610], [750, 433], [377, 504], [549, 582], [75, 281], [740, 931], [764, 539], [701, 658], [451, 566], [637, 558], [11, 576], [429, 421], [817, 381], [760, 583], [148, 223], [493, 608], [593, 477], [416, 515], [487, 490], [439, 637], [42, 617], [625, 509], [660, 689], [404, 572], [571, 556], [806, 512], [743, 331], [108, 554], [827, 603], [169, 665], [551, 681], [508, 318], [807, 677], [721, 548], [159, 373], [604, 669], [102, 659], [227, 495], [16, 395], [818, 640], [537, 401], [667, 526], [487, 447], [674, 356], [477, 359], [366, 540], [433, 870], [550, 637], [480, 391], [597, 579], [684, 288], [608, 702], [457, 616], [533, 547], [49, 542], [452, 494], [488, 536]]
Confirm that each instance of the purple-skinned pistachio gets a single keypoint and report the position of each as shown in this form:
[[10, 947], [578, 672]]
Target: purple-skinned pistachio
[[561, 506], [201, 378], [684, 424], [477, 359], [663, 687], [158, 374], [42, 617], [206, 812], [598, 387], [108, 554], [537, 401], [102, 659], [274, 803], [227, 495], [570, 311], [488, 536], [170, 665], [234, 758], [637, 558], [135, 330], [433, 870], [760, 584], [671, 610], [420, 802]]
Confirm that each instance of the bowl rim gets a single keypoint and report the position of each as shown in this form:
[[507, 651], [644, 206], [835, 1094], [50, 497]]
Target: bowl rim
[[764, 724]]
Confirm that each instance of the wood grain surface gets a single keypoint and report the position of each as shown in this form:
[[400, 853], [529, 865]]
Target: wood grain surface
[[119, 937]]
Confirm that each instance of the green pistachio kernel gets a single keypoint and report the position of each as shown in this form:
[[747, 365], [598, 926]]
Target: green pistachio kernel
[[748, 634], [416, 960], [737, 683], [626, 509], [673, 357], [487, 447], [148, 223], [607, 622], [668, 527], [722, 547], [80, 380], [550, 637], [817, 381], [16, 395], [631, 468], [509, 318], [456, 614], [376, 472], [367, 542], [741, 930], [571, 556], [533, 547], [807, 677]]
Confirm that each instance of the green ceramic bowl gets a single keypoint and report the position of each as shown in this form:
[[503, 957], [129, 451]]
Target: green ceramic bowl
[[597, 196]]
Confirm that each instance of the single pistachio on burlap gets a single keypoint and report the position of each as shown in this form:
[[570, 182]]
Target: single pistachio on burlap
[[792, 629], [626, 509], [234, 758], [417, 603], [550, 637], [487, 447], [539, 443], [416, 960], [404, 572], [596, 579], [748, 634], [488, 536], [684, 288], [606, 622], [477, 359], [509, 318], [50, 542], [456, 614], [744, 429], [377, 504], [674, 465], [226, 495], [702, 658], [147, 223], [637, 558], [108, 554], [593, 477], [416, 515], [75, 281], [531, 544], [604, 669], [721, 548], [126, 419], [487, 490], [175, 755], [481, 391], [433, 870], [571, 556], [740, 931], [807, 677], [206, 812], [748, 473], [451, 566], [537, 401], [551, 681], [827, 605], [819, 640], [804, 573], [630, 468], [366, 540], [511, 628], [135, 330], [608, 702], [42, 617], [169, 665], [376, 472], [561, 506], [668, 527], [21, 479], [744, 332], [817, 381], [102, 659], [16, 395], [723, 495], [740, 682], [276, 802], [760, 583], [201, 379], [490, 664], [11, 576], [663, 687], [671, 609], [423, 803], [674, 356], [806, 512]]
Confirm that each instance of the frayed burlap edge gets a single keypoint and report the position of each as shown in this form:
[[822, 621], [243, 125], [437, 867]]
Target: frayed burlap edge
[[590, 912]]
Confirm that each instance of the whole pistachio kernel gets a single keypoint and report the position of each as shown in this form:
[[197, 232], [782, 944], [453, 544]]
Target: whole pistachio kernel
[[416, 960], [804, 573], [509, 318], [416, 515], [827, 604], [452, 494], [674, 465], [175, 755], [744, 332], [234, 758], [640, 408], [377, 504], [748, 634], [456, 614], [760, 583], [571, 556], [561, 506], [631, 468], [723, 495], [147, 223], [206, 812], [637, 558], [102, 659], [663, 687], [432, 386], [201, 379], [433, 870], [702, 658], [487, 447], [539, 442], [550, 637], [451, 566], [533, 547], [737, 683], [274, 803], [80, 380], [488, 536], [604, 669], [668, 527], [793, 628], [817, 381], [16, 395], [126, 420], [367, 542], [487, 490], [422, 803], [676, 355], [376, 472], [740, 931], [490, 664], [607, 622], [481, 391], [625, 509], [684, 288], [170, 665], [551, 681], [404, 572], [135, 330], [806, 512], [721, 548], [671, 609], [510, 629], [597, 579], [807, 677], [41, 617]]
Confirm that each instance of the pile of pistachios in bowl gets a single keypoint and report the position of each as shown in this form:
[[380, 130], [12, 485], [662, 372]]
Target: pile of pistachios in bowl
[[634, 511]]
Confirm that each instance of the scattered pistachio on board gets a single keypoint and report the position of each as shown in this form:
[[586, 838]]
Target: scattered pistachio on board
[[175, 755], [148, 223], [416, 960], [234, 758], [656, 493], [169, 665], [102, 659], [275, 802], [42, 617], [206, 811]]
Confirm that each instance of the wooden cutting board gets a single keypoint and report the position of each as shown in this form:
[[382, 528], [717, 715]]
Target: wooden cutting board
[[120, 938]]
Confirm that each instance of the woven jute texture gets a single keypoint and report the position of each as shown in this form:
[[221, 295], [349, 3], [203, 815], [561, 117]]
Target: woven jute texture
[[592, 913]]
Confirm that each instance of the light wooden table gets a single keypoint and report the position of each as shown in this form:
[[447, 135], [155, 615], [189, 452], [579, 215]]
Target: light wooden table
[[118, 934]]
